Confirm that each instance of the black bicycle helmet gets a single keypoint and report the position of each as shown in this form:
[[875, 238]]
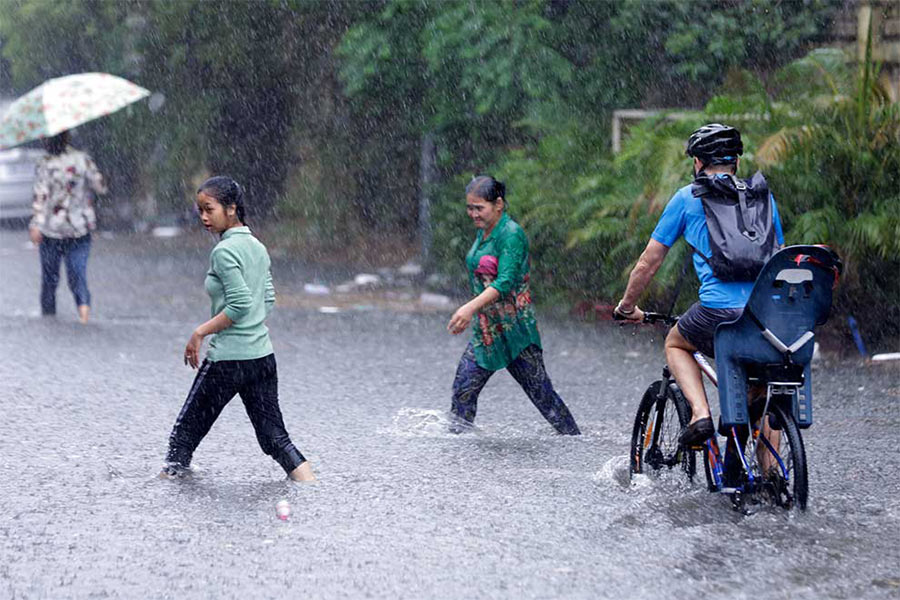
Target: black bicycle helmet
[[715, 144]]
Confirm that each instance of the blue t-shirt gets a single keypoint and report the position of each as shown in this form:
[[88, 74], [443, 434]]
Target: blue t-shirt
[[684, 215]]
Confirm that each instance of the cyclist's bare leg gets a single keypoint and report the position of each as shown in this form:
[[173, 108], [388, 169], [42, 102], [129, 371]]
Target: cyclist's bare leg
[[680, 358], [766, 459]]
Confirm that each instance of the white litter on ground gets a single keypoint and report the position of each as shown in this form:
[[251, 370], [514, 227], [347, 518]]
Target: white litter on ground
[[166, 232], [410, 269], [366, 279], [435, 299], [316, 289]]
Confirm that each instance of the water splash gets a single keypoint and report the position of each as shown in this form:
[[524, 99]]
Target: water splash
[[423, 422], [616, 470]]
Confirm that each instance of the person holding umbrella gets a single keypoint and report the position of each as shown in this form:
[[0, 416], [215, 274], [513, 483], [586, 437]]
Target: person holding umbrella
[[63, 219], [63, 215]]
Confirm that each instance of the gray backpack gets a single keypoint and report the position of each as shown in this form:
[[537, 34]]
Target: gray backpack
[[739, 216]]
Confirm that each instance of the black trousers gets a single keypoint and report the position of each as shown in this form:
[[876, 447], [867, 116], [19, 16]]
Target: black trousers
[[256, 382]]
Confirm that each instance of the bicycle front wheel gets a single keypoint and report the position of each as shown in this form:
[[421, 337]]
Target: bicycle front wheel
[[654, 438], [784, 474]]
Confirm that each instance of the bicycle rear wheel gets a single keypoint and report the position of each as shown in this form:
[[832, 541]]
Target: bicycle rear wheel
[[654, 438], [786, 481]]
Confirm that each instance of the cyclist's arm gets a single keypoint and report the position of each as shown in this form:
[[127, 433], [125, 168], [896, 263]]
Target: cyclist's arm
[[647, 265], [669, 228]]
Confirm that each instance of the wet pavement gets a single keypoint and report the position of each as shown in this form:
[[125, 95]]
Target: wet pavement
[[403, 509]]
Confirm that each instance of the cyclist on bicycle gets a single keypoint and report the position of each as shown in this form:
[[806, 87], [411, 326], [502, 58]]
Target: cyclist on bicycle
[[714, 149]]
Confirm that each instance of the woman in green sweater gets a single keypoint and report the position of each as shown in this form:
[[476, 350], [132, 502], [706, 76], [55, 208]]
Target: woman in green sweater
[[240, 359], [504, 332]]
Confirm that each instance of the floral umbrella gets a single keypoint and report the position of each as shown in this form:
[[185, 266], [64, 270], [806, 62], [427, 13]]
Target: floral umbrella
[[63, 103]]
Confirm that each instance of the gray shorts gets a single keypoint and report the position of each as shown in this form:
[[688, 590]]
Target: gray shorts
[[698, 325]]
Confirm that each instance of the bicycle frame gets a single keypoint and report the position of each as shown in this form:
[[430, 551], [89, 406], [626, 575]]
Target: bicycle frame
[[752, 481], [749, 460]]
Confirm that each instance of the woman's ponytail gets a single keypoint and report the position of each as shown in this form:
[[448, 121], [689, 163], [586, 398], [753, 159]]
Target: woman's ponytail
[[227, 192], [486, 188]]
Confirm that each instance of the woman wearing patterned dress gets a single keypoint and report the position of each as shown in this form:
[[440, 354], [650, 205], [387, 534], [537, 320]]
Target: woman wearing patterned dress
[[504, 333], [64, 219]]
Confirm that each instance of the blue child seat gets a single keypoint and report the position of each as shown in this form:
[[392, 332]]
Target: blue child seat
[[791, 296]]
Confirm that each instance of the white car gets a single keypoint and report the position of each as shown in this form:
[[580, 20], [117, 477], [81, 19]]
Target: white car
[[17, 181]]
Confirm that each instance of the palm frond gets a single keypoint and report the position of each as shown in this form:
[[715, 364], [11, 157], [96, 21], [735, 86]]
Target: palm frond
[[780, 144]]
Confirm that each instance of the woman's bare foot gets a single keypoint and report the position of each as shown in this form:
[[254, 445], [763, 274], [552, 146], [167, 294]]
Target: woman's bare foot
[[303, 472], [84, 311]]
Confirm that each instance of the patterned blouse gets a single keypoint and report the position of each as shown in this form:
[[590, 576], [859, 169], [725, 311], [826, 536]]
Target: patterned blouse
[[503, 329], [62, 194]]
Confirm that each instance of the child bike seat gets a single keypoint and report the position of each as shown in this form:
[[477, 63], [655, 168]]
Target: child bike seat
[[791, 296]]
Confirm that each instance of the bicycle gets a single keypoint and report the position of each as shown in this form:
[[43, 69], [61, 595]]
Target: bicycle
[[764, 459]]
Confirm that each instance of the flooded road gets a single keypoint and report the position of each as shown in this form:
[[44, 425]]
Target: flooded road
[[403, 509]]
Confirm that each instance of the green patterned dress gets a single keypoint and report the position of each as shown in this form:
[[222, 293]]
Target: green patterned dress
[[502, 330]]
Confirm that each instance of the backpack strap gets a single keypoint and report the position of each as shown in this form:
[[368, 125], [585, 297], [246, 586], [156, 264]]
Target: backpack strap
[[743, 214]]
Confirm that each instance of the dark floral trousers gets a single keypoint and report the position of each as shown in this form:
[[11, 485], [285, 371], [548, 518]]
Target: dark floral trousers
[[529, 371]]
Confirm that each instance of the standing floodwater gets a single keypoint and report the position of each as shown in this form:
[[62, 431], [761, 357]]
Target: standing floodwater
[[402, 508]]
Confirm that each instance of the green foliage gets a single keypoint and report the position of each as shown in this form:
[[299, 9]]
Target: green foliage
[[382, 67], [493, 61], [734, 34], [478, 76], [831, 151], [44, 38], [227, 75], [840, 167], [618, 209]]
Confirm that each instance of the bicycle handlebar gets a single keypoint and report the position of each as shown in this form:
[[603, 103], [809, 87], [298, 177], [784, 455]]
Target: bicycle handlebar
[[649, 317], [652, 317]]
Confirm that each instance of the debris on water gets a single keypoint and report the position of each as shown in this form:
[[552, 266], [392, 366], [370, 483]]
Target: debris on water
[[283, 509], [439, 281], [166, 232], [329, 310], [410, 269], [435, 299], [316, 289], [112, 472], [367, 280], [886, 356], [401, 296]]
